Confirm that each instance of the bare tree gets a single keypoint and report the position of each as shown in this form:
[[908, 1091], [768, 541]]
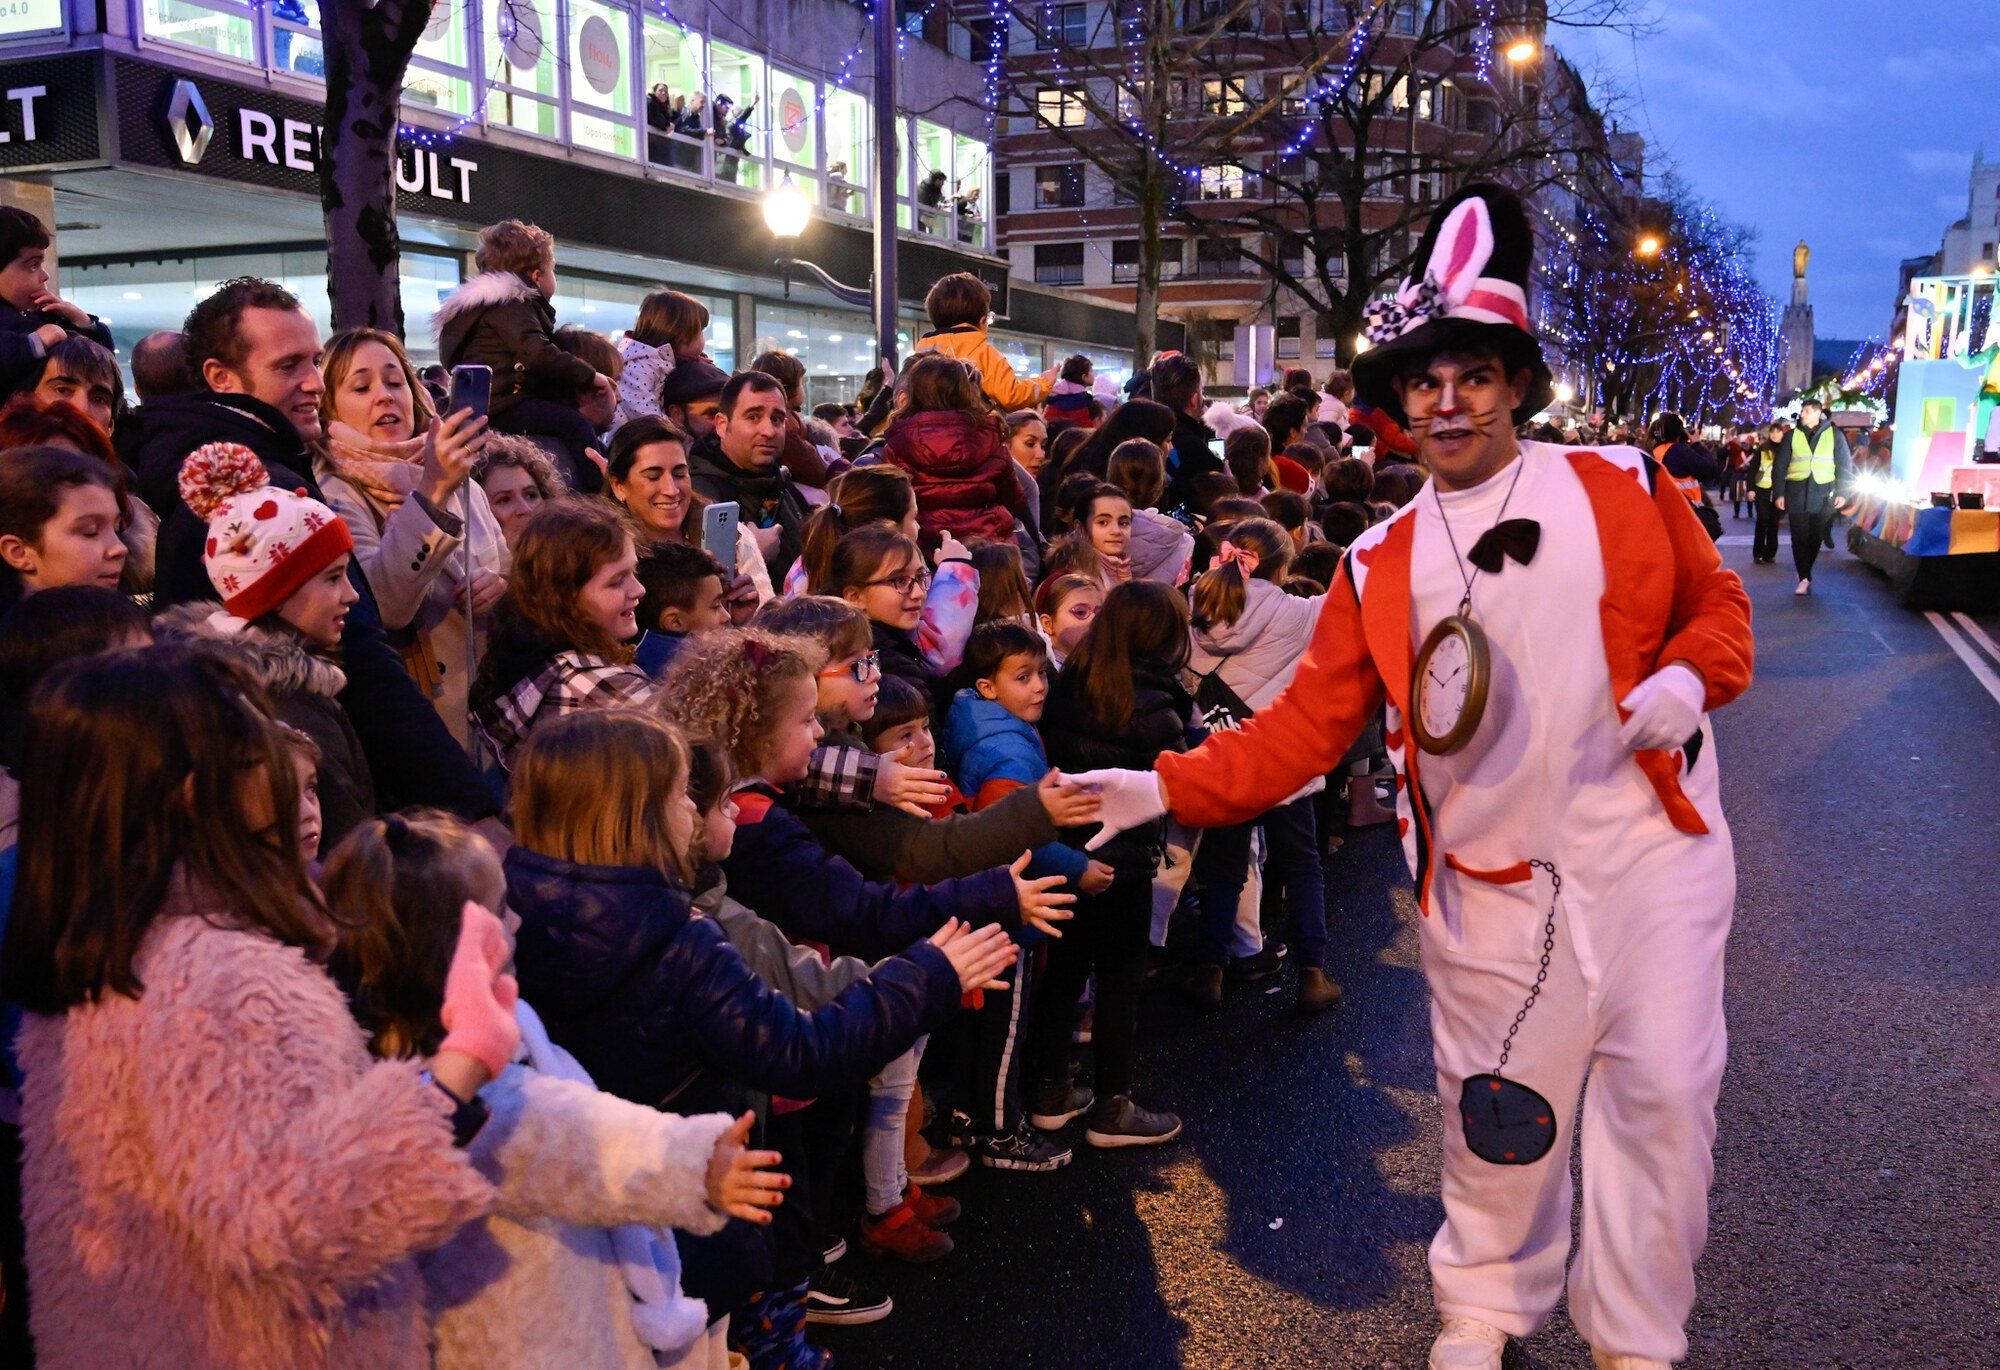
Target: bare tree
[[1121, 105], [1285, 133], [1666, 313], [368, 44], [1339, 175]]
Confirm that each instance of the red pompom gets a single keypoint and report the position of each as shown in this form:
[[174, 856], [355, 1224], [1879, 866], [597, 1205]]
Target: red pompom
[[213, 473]]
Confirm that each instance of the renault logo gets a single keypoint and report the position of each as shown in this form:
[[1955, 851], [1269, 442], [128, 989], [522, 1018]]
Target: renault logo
[[188, 122]]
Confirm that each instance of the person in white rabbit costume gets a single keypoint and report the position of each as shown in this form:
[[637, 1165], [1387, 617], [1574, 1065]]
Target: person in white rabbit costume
[[1550, 627]]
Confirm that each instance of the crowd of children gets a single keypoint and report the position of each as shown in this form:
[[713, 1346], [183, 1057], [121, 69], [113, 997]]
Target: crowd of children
[[523, 887]]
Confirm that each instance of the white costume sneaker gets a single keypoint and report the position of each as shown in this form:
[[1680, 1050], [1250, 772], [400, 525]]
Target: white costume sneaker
[[1606, 1361], [1805, 588], [1468, 1344]]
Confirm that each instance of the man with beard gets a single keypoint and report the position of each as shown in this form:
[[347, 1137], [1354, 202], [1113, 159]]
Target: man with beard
[[1550, 627], [739, 461]]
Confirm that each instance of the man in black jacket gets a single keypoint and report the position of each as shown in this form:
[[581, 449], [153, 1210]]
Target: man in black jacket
[[1176, 382], [257, 351], [741, 463]]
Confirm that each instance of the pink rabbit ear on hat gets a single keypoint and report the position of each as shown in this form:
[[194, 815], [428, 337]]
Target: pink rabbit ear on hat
[[1464, 247]]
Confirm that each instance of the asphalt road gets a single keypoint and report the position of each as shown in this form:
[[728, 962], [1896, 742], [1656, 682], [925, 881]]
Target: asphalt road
[[1856, 1214]]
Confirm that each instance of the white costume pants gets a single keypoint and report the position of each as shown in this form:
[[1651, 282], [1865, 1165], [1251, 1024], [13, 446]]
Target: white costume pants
[[1633, 1009]]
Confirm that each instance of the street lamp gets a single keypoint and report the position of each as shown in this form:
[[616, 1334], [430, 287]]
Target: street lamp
[[1650, 245], [1523, 52], [787, 211]]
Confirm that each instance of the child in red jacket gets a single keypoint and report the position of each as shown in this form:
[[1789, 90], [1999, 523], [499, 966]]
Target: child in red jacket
[[955, 448]]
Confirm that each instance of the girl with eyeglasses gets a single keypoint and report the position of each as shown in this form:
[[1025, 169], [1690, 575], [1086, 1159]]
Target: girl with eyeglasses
[[919, 624]]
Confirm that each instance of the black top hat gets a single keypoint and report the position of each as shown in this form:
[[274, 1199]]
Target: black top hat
[[1469, 293]]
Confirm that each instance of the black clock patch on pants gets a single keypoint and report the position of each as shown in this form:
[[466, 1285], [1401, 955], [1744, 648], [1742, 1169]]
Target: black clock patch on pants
[[1505, 1122]]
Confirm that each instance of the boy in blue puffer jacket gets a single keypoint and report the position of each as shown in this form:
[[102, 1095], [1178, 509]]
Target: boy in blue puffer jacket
[[991, 749]]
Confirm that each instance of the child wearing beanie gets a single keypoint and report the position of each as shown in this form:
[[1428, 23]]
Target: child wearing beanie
[[279, 562]]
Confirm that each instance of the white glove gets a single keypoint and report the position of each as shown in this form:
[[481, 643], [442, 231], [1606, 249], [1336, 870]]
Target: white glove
[[1130, 799], [1665, 710]]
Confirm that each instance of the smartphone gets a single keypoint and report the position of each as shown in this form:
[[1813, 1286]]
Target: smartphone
[[718, 532], [471, 388]]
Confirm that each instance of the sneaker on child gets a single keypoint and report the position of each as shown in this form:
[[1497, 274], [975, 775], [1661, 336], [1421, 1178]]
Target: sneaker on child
[[1118, 1121], [835, 1297], [942, 1166], [1056, 1102], [902, 1233], [1021, 1149]]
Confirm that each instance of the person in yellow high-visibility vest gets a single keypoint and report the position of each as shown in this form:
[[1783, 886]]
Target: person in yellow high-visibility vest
[[1817, 473], [1767, 489]]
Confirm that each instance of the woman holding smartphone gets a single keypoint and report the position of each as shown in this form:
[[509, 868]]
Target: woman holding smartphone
[[647, 476], [424, 535]]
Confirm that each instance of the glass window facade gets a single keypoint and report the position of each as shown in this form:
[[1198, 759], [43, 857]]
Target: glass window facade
[[837, 347], [135, 298], [582, 71], [603, 114]]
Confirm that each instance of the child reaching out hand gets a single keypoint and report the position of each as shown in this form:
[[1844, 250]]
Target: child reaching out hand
[[581, 1176]]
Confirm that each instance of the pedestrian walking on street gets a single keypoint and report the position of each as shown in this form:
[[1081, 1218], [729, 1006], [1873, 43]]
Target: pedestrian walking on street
[[1568, 843], [1817, 473], [1768, 493]]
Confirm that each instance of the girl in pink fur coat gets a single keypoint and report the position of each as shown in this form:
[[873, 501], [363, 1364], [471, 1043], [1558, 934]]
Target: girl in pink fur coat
[[215, 1171]]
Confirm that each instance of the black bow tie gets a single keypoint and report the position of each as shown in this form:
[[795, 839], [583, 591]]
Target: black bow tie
[[1516, 538]]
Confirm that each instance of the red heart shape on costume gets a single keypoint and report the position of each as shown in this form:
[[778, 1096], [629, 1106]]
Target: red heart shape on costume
[[267, 510], [1366, 555], [1403, 828], [211, 547], [1402, 782], [1395, 740]]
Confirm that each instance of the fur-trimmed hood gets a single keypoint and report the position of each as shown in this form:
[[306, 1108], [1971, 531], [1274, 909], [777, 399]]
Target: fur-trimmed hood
[[483, 291], [281, 662]]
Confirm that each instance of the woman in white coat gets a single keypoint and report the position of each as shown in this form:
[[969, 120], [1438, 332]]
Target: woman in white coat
[[424, 534], [1248, 637]]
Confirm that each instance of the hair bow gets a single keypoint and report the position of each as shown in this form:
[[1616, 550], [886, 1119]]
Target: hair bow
[[1388, 320], [1242, 558], [760, 655]]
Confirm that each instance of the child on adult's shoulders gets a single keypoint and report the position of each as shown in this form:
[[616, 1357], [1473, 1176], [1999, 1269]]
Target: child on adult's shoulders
[[33, 318]]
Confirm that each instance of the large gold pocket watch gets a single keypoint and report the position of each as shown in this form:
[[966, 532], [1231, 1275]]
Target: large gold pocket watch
[[1448, 692]]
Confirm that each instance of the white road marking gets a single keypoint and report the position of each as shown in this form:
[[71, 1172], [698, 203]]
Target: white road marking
[[1978, 635], [1967, 653]]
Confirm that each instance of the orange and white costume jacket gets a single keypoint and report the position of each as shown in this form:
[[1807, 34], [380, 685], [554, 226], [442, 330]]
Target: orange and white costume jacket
[[1667, 597]]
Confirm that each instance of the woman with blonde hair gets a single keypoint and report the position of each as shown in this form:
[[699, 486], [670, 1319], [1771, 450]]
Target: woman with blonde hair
[[424, 534]]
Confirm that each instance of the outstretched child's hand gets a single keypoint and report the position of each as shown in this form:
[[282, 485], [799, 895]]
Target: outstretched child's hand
[[951, 549], [1068, 804], [977, 954], [1097, 878], [1041, 906], [745, 1184], [912, 789], [479, 997]]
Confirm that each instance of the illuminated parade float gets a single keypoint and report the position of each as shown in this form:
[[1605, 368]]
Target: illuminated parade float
[[1932, 523]]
